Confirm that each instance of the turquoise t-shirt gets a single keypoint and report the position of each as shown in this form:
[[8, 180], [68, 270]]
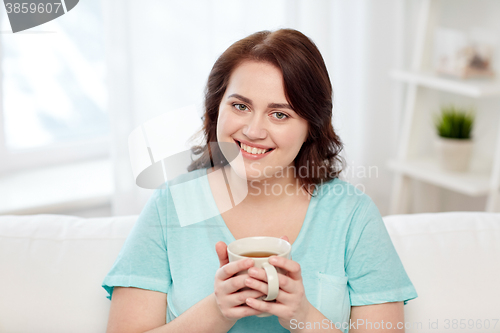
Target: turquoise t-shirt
[[345, 253]]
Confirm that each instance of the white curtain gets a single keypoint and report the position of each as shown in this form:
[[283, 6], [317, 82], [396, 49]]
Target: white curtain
[[159, 54]]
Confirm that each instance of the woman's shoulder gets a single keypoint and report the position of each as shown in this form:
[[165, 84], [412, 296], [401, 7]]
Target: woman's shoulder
[[189, 179], [185, 177], [347, 203], [184, 198]]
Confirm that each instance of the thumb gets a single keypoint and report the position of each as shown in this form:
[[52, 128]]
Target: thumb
[[285, 238], [221, 249]]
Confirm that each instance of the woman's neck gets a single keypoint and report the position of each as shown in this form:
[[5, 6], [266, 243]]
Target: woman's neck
[[267, 191]]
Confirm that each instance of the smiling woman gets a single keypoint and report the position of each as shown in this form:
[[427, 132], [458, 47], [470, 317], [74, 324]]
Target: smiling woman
[[255, 124], [269, 99], [285, 65]]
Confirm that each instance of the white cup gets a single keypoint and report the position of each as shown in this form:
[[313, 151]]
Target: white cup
[[280, 247]]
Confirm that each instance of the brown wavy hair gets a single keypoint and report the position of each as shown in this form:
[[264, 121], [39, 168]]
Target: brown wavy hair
[[308, 90]]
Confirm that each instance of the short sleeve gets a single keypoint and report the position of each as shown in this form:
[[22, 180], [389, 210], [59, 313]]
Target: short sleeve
[[143, 261], [375, 272]]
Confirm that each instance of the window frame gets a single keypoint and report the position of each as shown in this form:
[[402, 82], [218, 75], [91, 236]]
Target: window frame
[[57, 153]]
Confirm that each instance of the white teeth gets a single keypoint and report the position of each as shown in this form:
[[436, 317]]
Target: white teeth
[[252, 150]]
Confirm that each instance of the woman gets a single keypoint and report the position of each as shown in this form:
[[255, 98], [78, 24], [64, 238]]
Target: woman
[[269, 95]]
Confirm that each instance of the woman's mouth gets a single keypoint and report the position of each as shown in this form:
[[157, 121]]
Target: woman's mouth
[[252, 151]]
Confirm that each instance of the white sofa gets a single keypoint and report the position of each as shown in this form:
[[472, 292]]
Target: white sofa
[[52, 266]]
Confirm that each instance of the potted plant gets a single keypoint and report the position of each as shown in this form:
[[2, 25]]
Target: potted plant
[[454, 144]]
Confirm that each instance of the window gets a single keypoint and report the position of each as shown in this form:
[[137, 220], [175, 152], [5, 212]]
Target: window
[[52, 90]]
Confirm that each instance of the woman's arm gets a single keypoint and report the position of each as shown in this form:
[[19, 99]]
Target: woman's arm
[[136, 310], [385, 317]]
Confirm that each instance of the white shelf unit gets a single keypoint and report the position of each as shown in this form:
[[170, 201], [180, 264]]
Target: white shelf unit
[[471, 88], [478, 181], [428, 170]]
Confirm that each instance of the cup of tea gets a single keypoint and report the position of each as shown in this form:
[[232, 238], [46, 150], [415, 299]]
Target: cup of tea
[[259, 249]]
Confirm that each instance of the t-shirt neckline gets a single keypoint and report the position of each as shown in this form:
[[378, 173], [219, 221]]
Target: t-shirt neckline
[[229, 235]]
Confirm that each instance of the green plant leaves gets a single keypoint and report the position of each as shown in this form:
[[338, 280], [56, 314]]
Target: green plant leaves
[[454, 122]]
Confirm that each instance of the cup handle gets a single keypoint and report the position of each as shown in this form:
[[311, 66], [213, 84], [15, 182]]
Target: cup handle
[[272, 281]]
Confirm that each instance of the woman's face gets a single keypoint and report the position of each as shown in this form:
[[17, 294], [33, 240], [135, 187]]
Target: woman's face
[[255, 114]]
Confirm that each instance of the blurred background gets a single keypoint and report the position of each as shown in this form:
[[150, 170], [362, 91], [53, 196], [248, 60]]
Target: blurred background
[[73, 89]]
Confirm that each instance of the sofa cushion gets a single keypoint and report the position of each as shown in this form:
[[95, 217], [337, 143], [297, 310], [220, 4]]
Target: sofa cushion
[[453, 260], [52, 267], [51, 270]]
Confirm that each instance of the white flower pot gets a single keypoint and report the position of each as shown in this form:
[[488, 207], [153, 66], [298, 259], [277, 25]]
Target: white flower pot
[[454, 154]]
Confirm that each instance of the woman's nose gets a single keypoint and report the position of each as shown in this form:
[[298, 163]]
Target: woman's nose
[[256, 128]]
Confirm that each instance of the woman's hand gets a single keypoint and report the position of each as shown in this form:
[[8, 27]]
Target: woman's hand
[[291, 302], [231, 303]]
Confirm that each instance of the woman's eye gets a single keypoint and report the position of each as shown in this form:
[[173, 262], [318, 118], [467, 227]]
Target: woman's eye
[[241, 107], [280, 115]]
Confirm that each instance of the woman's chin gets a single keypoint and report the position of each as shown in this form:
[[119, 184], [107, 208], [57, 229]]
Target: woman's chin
[[245, 173], [255, 178]]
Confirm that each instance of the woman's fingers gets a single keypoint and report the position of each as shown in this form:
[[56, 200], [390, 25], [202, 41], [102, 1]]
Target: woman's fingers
[[263, 287], [285, 282], [234, 284], [228, 270], [230, 299], [221, 249], [278, 309], [292, 267], [260, 274], [240, 298], [258, 285], [236, 306], [238, 312]]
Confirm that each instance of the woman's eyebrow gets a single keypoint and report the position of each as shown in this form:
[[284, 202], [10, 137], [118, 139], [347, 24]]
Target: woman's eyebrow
[[270, 105]]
